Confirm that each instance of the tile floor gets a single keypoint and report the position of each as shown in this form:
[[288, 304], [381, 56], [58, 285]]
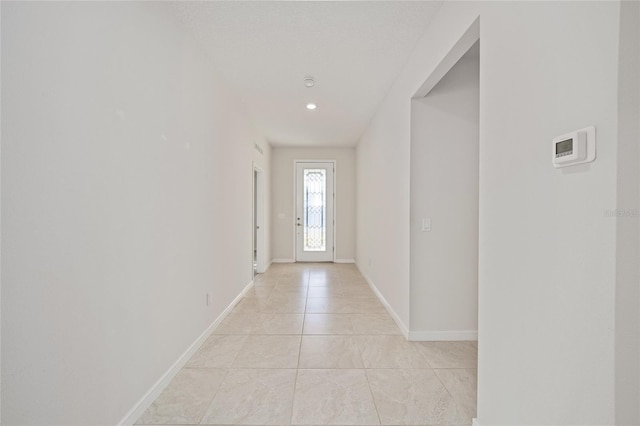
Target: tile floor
[[310, 344]]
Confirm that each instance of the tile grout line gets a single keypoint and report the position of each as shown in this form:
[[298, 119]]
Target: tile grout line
[[226, 374], [455, 400], [366, 375], [295, 383], [373, 398]]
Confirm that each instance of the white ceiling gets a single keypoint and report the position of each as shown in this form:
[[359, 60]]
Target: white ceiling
[[264, 49]]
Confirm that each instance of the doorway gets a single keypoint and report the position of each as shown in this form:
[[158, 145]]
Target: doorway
[[257, 255], [445, 199], [314, 207]]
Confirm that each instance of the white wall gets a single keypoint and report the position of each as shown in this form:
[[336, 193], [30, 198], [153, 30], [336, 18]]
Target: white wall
[[282, 214], [126, 196], [627, 349], [1, 224], [547, 274], [637, 39], [444, 188], [382, 229]]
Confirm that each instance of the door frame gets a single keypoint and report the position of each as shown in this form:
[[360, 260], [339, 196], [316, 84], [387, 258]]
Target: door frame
[[295, 207], [257, 218]]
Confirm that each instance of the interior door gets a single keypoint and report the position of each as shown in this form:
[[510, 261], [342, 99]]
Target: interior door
[[314, 211]]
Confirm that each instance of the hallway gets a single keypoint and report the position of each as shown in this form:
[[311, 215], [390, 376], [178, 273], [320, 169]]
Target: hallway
[[310, 344]]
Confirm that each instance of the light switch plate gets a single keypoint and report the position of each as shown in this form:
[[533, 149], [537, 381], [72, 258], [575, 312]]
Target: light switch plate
[[426, 224]]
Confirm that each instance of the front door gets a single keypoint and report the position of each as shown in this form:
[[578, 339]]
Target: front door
[[314, 211]]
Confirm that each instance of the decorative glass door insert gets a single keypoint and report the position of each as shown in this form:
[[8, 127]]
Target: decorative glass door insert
[[314, 211]]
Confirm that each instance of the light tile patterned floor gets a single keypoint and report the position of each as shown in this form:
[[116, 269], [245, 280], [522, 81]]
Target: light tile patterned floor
[[310, 344]]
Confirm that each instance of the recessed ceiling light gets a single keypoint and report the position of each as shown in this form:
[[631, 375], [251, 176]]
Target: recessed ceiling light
[[309, 81], [312, 106]]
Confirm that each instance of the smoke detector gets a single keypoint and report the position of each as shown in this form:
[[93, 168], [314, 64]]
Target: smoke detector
[[309, 82]]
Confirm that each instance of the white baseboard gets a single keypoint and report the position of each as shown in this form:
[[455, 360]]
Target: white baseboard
[[283, 261], [403, 328], [475, 422], [419, 336], [152, 394], [430, 336], [344, 261]]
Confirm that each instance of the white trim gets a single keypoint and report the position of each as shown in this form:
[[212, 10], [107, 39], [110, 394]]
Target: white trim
[[152, 394], [475, 422], [434, 336], [283, 261], [403, 328], [344, 261], [468, 39], [419, 336]]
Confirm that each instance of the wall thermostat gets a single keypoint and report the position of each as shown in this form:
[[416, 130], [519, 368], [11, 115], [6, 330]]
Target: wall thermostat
[[575, 148]]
